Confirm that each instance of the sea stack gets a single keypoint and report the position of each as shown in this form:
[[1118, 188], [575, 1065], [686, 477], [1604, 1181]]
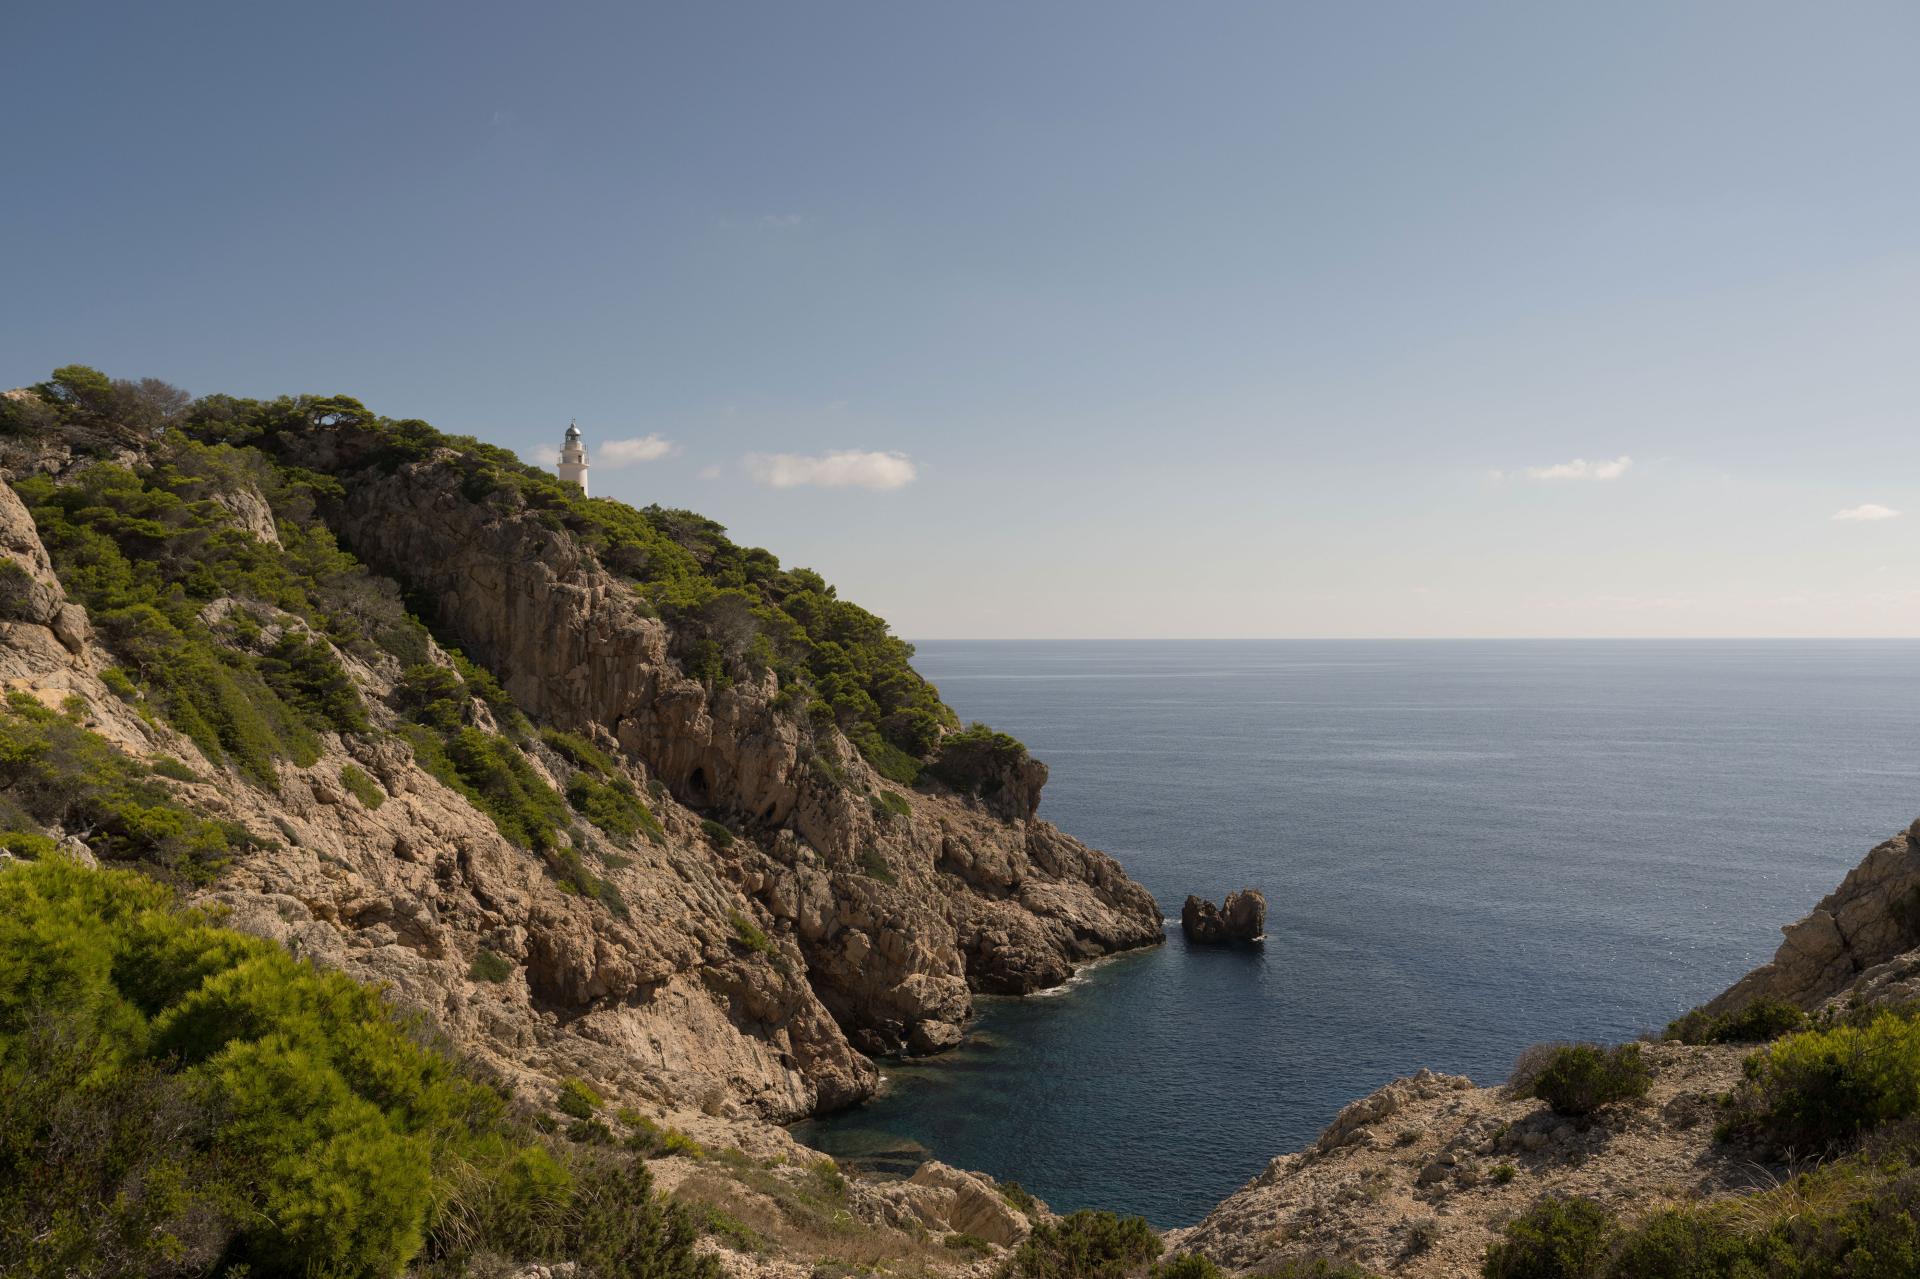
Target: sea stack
[[1242, 920]]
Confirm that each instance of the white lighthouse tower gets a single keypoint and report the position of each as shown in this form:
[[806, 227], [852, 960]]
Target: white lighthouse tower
[[573, 460]]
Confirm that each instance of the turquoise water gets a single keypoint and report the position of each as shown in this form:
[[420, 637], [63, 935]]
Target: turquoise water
[[1467, 847]]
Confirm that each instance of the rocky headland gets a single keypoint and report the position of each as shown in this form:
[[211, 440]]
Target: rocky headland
[[659, 868], [667, 867]]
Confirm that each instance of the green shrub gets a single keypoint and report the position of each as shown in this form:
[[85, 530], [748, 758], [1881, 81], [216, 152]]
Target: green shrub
[[362, 786], [190, 1101], [1820, 1089], [1581, 1078], [1017, 1195], [675, 1142], [55, 773], [613, 807], [874, 866], [488, 770], [590, 1132], [18, 593], [169, 767], [888, 803], [145, 551], [750, 935], [580, 752], [488, 966], [977, 760], [577, 1099], [1873, 1233], [309, 678], [724, 1225], [1681, 1244], [1556, 1239], [1089, 1244], [27, 845], [1188, 1265], [1316, 1268], [722, 837], [1503, 1174], [1756, 1023]]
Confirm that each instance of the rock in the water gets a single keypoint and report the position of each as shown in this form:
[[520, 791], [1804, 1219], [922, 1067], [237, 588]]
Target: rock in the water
[[1243, 918]]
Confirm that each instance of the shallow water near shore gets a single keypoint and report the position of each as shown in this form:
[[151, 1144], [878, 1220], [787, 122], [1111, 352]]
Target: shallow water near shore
[[1466, 846]]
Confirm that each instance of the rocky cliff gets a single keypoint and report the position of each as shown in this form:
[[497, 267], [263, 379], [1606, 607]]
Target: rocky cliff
[[782, 915]]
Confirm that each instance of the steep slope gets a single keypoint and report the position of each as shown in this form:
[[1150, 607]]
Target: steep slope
[[729, 910]]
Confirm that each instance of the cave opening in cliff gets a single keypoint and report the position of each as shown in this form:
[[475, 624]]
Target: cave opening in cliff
[[697, 787]]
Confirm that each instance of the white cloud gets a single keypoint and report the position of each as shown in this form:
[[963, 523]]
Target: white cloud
[[1581, 469], [1866, 511], [546, 455], [641, 448], [846, 468]]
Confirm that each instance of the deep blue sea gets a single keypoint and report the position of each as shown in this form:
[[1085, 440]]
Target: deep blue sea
[[1466, 847]]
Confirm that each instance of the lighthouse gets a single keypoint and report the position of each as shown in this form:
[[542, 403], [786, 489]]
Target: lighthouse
[[573, 460]]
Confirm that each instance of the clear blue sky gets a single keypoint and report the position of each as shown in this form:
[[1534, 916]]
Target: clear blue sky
[[1187, 319]]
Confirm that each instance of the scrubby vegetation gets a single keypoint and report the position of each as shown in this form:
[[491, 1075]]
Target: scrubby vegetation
[[614, 807], [1818, 1091], [148, 551], [488, 966], [1557, 1239], [977, 760], [1847, 1094], [486, 768], [1851, 1220], [1579, 1079], [1084, 1245], [178, 1099], [1316, 1268], [577, 1098], [1756, 1023], [54, 773], [362, 786], [736, 611]]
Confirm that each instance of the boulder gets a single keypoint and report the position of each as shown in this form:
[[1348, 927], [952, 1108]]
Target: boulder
[[1241, 920]]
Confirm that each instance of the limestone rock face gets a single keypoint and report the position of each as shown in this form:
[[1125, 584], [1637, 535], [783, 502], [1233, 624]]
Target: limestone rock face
[[32, 600], [1242, 919], [1872, 918]]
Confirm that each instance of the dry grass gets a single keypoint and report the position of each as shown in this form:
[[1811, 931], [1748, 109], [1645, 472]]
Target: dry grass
[[803, 1213]]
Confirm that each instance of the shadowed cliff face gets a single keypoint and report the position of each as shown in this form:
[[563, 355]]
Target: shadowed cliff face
[[795, 913]]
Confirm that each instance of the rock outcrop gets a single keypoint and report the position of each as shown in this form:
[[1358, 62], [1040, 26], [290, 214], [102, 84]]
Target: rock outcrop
[[1240, 920], [1419, 1177], [1872, 918]]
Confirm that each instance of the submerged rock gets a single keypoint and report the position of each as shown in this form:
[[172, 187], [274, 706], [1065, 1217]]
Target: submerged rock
[[1241, 919]]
